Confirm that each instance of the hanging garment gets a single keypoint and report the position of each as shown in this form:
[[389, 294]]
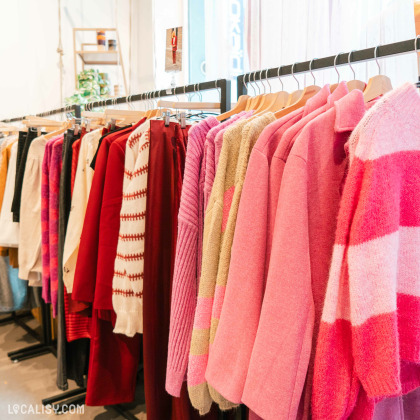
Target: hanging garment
[[106, 347], [7, 302], [19, 287], [53, 217], [6, 146], [249, 265], [301, 252], [127, 283], [72, 357], [75, 161], [188, 257], [30, 256], [250, 134], [85, 274], [45, 221], [165, 168], [79, 200], [214, 224], [9, 230], [373, 281], [24, 143]]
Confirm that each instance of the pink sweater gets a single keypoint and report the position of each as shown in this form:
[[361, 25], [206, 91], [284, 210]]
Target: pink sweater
[[187, 258], [301, 252], [369, 340], [229, 359]]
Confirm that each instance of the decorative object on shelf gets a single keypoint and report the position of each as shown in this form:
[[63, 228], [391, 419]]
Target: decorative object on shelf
[[112, 45], [101, 40], [91, 86]]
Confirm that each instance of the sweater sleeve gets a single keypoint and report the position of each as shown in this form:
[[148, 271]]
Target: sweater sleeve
[[184, 286], [282, 347], [231, 351]]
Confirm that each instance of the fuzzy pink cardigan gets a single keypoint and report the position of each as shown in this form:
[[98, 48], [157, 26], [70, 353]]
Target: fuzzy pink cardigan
[[187, 259], [369, 340]]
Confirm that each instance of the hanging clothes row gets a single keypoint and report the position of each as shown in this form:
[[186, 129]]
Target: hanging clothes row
[[296, 277]]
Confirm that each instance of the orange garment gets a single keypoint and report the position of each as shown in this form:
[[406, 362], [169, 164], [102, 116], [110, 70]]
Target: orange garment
[[5, 157]]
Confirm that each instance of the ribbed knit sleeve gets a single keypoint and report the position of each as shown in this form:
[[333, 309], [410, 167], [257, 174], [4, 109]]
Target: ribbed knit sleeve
[[370, 330], [188, 255]]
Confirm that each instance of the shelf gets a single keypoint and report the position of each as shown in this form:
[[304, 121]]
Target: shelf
[[99, 57]]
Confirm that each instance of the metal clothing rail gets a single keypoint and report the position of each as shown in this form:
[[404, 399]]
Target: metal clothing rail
[[341, 59], [223, 84], [75, 108]]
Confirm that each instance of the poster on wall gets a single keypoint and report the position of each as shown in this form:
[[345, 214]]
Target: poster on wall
[[173, 53]]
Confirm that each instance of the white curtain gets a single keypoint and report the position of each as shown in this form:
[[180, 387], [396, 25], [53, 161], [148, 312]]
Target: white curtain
[[291, 31]]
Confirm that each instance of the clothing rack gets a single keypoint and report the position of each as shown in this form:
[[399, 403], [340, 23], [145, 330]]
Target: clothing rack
[[75, 108], [341, 59], [223, 84]]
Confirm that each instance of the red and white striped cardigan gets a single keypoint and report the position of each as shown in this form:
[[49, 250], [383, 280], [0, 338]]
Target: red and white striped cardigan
[[369, 342]]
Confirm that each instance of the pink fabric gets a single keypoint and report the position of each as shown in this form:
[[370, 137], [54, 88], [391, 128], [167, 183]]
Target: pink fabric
[[187, 258], [45, 224], [231, 350], [282, 357], [54, 190], [369, 340], [211, 157]]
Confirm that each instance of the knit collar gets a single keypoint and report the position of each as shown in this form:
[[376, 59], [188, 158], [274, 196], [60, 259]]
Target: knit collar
[[349, 111]]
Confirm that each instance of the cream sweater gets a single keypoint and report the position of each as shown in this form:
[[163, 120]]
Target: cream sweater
[[82, 184], [127, 283]]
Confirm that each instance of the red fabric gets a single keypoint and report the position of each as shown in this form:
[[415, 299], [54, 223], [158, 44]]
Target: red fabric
[[110, 224], [113, 363], [166, 164], [87, 260]]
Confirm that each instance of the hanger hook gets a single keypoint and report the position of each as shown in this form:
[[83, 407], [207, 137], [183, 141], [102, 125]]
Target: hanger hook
[[256, 84], [310, 69], [281, 81], [250, 84], [293, 75], [351, 67], [335, 66], [376, 58], [266, 78], [262, 82]]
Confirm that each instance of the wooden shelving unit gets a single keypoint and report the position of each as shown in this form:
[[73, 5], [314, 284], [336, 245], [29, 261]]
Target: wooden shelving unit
[[89, 54]]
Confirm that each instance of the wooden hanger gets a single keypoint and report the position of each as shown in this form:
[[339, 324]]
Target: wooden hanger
[[377, 85], [296, 95], [307, 93], [254, 101], [354, 84], [49, 136]]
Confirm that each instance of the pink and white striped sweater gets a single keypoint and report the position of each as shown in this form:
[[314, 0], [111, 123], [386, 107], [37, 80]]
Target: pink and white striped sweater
[[369, 341]]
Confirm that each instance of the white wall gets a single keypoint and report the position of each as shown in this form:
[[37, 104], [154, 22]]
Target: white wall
[[29, 70]]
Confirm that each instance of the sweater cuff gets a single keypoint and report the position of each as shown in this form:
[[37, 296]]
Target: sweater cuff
[[378, 387], [129, 323], [174, 381]]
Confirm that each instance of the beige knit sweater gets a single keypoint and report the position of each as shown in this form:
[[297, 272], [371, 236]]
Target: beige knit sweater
[[218, 234]]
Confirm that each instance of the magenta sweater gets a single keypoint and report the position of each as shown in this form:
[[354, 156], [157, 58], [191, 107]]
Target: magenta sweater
[[187, 258]]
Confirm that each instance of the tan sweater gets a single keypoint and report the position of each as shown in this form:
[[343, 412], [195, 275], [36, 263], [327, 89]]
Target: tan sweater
[[223, 200]]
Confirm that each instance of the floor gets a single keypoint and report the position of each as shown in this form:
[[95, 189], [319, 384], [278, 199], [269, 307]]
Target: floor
[[23, 385]]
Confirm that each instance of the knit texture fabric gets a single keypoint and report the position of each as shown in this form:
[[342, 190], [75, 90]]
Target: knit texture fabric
[[127, 283], [188, 258], [214, 227], [53, 220], [250, 134], [209, 158], [369, 339], [45, 220]]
